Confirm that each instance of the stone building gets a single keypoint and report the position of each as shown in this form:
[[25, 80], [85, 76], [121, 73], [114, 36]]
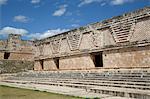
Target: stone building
[[103, 59], [120, 42], [16, 49], [16, 54]]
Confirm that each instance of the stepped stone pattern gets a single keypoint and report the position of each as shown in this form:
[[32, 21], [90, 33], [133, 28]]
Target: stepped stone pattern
[[124, 83], [120, 42], [109, 57], [16, 54]]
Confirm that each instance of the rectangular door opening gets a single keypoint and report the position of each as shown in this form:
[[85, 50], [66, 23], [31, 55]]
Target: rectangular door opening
[[42, 65], [56, 61], [6, 55], [97, 59]]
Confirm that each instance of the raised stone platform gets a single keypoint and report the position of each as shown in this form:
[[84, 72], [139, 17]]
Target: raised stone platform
[[121, 41], [123, 83]]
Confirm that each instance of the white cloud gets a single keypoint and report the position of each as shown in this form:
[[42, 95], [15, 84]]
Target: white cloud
[[21, 18], [104, 2], [2, 2], [85, 2], [75, 25], [120, 2], [61, 11], [12, 30], [35, 1], [46, 34]]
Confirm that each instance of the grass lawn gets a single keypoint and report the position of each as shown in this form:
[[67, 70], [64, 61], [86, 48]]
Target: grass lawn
[[17, 93]]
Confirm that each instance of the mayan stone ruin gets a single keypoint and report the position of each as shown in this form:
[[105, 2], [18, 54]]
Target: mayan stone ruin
[[119, 42], [16, 54], [110, 58]]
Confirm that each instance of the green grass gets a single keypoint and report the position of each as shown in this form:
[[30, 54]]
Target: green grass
[[18, 93]]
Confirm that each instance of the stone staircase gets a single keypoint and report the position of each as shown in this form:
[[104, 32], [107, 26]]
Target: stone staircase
[[124, 83]]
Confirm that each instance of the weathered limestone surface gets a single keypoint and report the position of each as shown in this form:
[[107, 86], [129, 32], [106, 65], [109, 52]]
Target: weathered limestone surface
[[49, 64], [1, 55], [108, 39], [142, 31], [129, 83], [64, 48], [76, 62], [13, 66], [132, 57], [47, 50], [15, 54], [21, 56], [37, 65], [86, 42], [130, 31], [16, 48]]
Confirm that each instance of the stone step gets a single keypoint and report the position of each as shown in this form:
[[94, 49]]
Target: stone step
[[98, 83], [84, 80], [104, 81], [123, 92], [109, 78], [106, 84], [128, 80], [120, 75], [88, 75]]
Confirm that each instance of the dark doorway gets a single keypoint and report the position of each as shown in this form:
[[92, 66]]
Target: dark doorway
[[42, 65], [6, 55], [97, 59], [56, 61]]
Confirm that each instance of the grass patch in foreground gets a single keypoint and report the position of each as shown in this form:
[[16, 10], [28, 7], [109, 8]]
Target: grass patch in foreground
[[18, 93]]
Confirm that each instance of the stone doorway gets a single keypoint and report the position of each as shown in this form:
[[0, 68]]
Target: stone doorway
[[56, 61], [42, 65], [6, 55], [97, 59]]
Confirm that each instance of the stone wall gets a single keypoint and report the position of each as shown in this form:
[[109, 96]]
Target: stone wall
[[49, 64], [37, 65], [13, 66], [127, 58], [76, 62], [1, 55], [16, 48], [21, 56], [129, 30]]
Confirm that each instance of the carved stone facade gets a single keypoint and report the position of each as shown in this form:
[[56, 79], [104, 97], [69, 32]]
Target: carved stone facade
[[55, 45], [74, 39], [16, 49], [119, 42], [16, 55]]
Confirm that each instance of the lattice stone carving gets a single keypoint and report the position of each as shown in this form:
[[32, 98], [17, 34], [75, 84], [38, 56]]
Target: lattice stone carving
[[95, 36], [74, 40], [122, 29], [55, 45], [95, 39], [41, 49]]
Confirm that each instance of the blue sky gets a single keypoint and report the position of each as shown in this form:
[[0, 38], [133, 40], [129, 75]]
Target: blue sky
[[43, 18]]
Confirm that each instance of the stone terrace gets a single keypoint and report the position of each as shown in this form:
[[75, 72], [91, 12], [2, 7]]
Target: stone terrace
[[123, 83]]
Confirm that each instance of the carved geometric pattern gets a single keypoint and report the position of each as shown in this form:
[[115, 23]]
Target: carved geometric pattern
[[41, 49], [55, 45], [122, 29], [74, 40], [96, 38]]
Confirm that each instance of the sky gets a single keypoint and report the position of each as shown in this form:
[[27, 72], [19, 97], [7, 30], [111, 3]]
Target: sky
[[38, 19]]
